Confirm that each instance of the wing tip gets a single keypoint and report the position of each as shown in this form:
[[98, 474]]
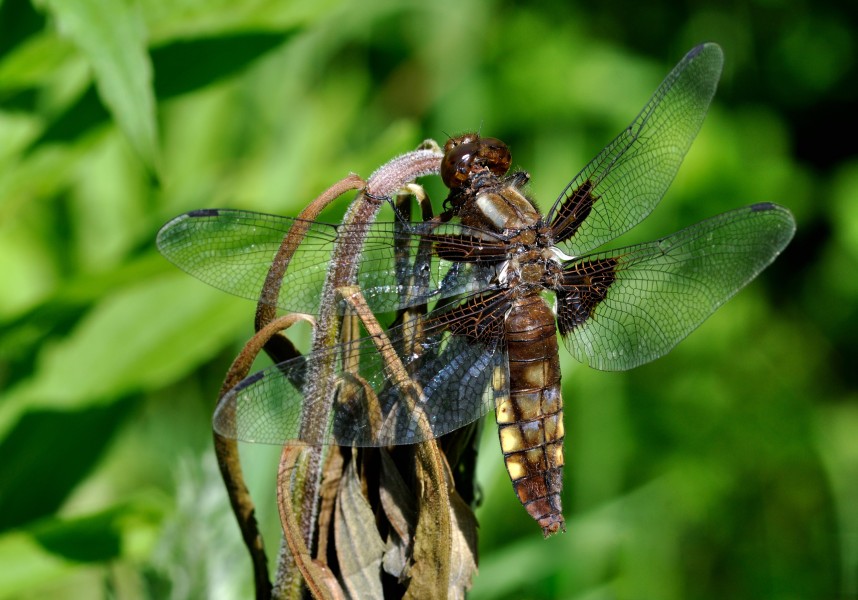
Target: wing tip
[[696, 50], [169, 229], [704, 47], [786, 217]]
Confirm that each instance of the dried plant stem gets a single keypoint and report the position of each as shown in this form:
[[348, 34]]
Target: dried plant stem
[[267, 306], [226, 450], [383, 183], [300, 474], [317, 577]]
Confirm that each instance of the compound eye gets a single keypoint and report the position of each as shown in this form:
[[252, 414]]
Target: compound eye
[[465, 138], [457, 164], [495, 155]]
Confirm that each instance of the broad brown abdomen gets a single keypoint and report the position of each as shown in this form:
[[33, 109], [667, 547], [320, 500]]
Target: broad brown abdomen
[[530, 421]]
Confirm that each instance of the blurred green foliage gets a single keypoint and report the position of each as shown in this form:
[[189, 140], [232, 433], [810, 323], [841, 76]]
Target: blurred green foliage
[[727, 469]]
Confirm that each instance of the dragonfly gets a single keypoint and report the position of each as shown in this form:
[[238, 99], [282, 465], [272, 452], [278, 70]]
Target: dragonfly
[[483, 275]]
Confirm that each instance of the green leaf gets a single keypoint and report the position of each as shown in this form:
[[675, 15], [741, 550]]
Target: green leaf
[[54, 548], [36, 60], [214, 60], [26, 491], [27, 564], [138, 338], [112, 36]]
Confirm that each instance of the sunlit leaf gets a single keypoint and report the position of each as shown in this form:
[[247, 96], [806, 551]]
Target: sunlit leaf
[[135, 339], [112, 35], [26, 491], [43, 554]]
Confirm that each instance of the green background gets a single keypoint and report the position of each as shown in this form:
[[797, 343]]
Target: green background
[[728, 469]]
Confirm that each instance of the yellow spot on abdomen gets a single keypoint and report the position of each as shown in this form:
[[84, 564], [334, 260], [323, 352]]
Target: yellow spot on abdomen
[[515, 467], [510, 439], [505, 412]]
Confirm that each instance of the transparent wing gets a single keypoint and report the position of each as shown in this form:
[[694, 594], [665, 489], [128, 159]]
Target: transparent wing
[[233, 250], [620, 309], [457, 381], [622, 185]]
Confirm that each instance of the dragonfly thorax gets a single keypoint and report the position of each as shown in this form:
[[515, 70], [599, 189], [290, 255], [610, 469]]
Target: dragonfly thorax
[[530, 270], [507, 209]]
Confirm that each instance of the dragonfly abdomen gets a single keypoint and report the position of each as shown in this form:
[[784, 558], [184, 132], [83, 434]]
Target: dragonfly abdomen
[[530, 421]]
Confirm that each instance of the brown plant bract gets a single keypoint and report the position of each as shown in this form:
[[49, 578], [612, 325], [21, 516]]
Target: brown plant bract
[[360, 522]]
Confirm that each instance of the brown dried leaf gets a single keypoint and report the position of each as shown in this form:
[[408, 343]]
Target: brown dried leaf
[[397, 499], [463, 554], [430, 573], [399, 506], [359, 547], [330, 486], [317, 577], [397, 558]]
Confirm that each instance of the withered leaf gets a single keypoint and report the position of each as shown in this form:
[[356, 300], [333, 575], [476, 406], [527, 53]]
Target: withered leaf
[[327, 505], [316, 575], [359, 547], [463, 554], [397, 499], [399, 506], [430, 573]]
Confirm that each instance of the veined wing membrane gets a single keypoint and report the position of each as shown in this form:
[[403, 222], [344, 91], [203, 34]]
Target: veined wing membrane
[[623, 308], [622, 185], [232, 250], [457, 378]]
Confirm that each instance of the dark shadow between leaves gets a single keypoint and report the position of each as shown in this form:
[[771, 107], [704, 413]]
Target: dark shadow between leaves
[[180, 67], [47, 454], [91, 539]]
